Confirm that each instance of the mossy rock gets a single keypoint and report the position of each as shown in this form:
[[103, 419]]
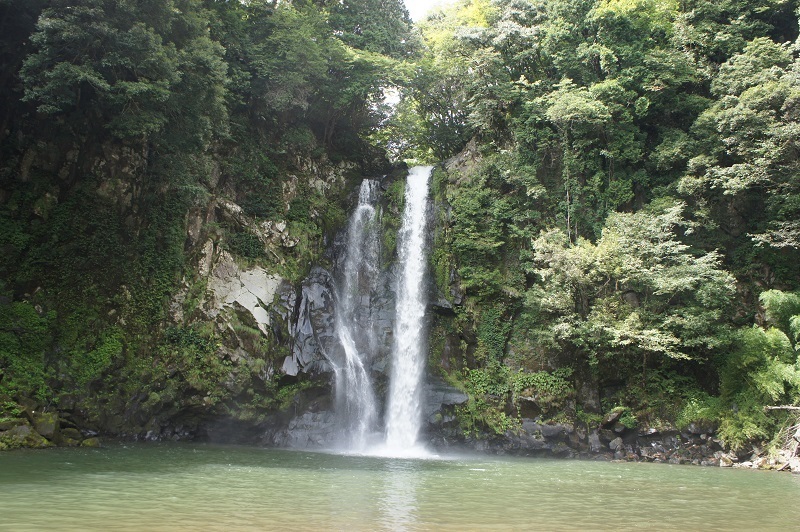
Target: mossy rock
[[91, 442], [11, 422], [71, 434], [24, 436], [46, 424], [70, 442]]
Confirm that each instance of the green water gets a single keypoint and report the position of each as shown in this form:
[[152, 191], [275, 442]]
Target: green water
[[191, 487]]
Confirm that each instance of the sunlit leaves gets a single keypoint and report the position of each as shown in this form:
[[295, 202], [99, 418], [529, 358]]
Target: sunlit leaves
[[639, 289]]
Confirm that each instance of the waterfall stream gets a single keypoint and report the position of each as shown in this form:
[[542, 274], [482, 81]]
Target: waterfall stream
[[355, 397], [404, 417]]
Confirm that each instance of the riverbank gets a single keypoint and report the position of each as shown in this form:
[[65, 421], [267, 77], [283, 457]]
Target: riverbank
[[41, 430], [612, 441]]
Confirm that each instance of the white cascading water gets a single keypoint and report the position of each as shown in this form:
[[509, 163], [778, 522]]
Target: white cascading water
[[355, 397], [404, 417]]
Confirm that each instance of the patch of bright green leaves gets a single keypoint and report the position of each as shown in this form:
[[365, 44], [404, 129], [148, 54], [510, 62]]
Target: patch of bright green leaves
[[495, 392]]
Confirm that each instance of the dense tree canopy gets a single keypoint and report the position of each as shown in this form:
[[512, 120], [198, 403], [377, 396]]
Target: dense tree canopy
[[633, 187]]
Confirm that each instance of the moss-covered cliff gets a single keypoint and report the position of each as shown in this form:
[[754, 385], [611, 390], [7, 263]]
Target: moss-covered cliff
[[168, 181]]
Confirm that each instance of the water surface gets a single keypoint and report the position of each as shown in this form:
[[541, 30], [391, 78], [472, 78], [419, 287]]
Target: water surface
[[201, 487]]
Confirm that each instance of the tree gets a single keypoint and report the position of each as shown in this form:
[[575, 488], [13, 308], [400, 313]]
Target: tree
[[761, 369], [128, 67], [17, 22], [715, 30], [747, 145], [577, 116], [378, 26], [638, 293], [454, 76]]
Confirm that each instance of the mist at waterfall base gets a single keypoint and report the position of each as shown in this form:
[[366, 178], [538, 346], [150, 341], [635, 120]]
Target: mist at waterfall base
[[357, 407]]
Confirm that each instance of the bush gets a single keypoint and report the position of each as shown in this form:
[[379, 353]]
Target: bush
[[25, 337], [246, 244], [763, 370]]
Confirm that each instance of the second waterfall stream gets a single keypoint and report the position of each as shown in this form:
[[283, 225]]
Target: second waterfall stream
[[404, 409]]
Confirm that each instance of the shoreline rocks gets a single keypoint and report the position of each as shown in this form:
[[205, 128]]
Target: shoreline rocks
[[565, 440], [42, 430]]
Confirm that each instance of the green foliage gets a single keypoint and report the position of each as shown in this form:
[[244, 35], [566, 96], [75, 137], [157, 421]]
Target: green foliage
[[589, 419], [478, 415], [746, 148], [492, 380], [760, 369], [782, 310], [10, 409], [299, 207], [187, 338], [382, 27], [193, 354], [286, 395], [441, 81], [639, 290], [246, 244], [258, 179], [665, 399], [628, 420], [25, 338], [699, 407], [493, 388], [763, 369], [88, 366], [544, 387], [493, 330], [134, 65], [402, 135]]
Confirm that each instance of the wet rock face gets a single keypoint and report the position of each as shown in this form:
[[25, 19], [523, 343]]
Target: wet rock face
[[439, 398], [46, 424], [311, 430], [23, 436], [38, 430], [312, 330], [537, 438], [309, 315]]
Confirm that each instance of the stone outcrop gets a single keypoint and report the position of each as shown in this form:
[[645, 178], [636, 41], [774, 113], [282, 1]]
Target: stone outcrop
[[692, 446], [253, 290], [312, 330], [310, 430]]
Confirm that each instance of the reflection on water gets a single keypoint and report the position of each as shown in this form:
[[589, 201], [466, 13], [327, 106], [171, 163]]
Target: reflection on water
[[399, 501], [183, 487]]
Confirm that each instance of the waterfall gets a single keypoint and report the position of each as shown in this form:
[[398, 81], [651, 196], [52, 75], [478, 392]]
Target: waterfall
[[404, 417], [355, 398]]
